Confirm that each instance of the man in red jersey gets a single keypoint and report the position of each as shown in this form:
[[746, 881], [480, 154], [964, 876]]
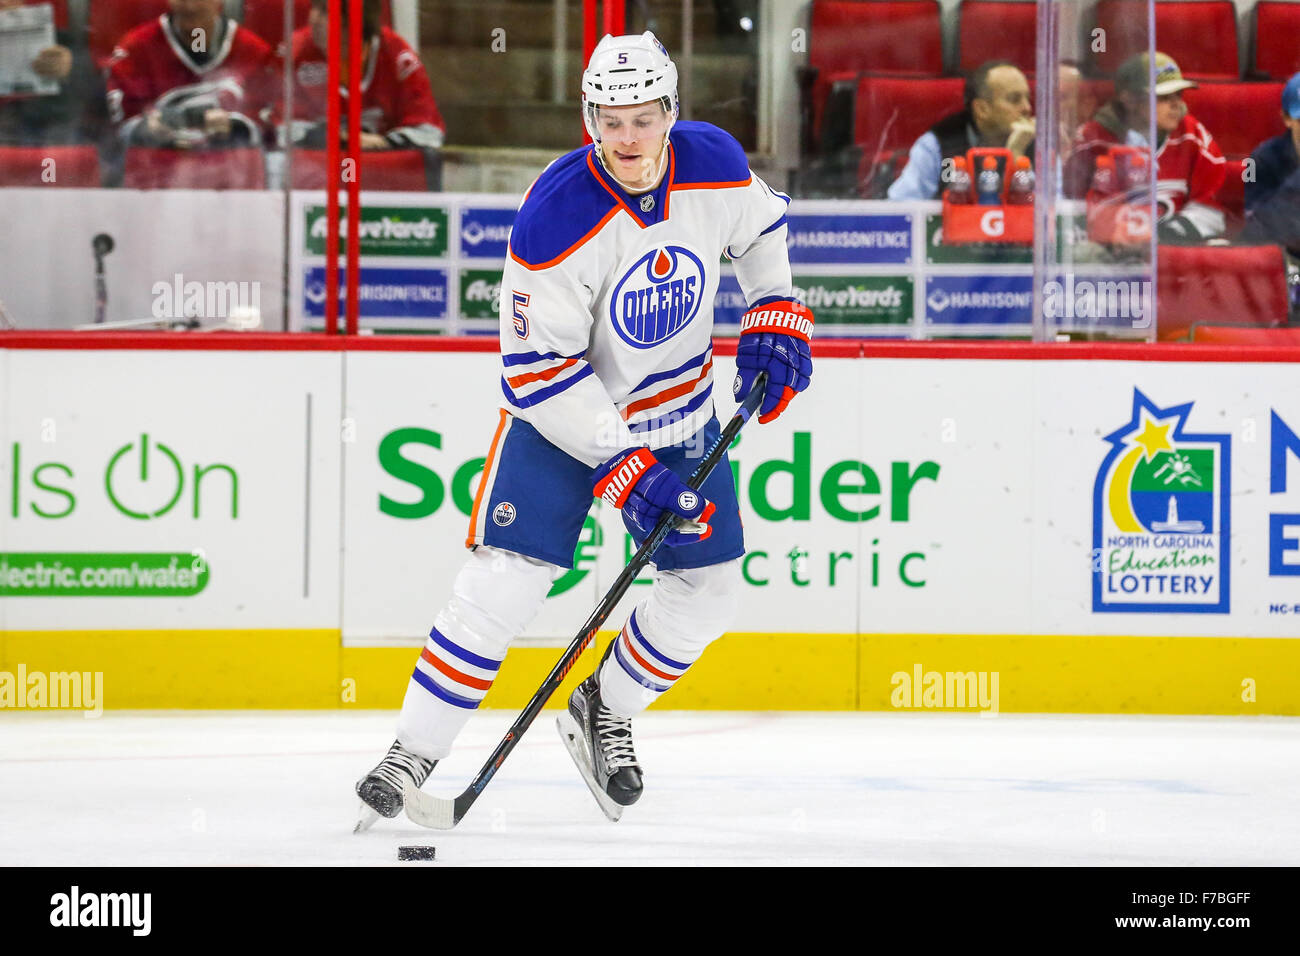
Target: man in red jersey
[[397, 106], [191, 78], [1189, 166]]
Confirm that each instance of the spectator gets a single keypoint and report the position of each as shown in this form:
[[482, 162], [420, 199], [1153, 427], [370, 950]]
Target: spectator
[[75, 114], [997, 113], [1273, 194], [191, 78], [1189, 166], [397, 106]]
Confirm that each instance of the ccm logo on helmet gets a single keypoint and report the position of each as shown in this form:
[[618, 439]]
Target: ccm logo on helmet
[[658, 296]]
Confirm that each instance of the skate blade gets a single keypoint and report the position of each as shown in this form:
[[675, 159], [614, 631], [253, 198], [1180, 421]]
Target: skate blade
[[575, 744], [366, 819]]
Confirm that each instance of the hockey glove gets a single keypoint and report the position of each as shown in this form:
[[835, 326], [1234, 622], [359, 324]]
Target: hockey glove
[[774, 338], [644, 489]]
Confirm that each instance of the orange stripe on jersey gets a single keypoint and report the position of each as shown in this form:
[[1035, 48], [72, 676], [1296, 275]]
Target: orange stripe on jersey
[[672, 169], [483, 479], [668, 394], [569, 251], [627, 642], [476, 682], [543, 376]]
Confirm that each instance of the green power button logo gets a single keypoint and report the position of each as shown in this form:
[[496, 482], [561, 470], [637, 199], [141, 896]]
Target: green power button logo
[[168, 456]]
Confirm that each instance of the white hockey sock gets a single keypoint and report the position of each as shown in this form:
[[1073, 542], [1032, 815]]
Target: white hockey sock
[[637, 673], [495, 596]]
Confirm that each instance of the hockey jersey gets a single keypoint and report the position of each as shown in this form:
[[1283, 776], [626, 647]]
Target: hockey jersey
[[1190, 169], [150, 69], [397, 100], [607, 297]]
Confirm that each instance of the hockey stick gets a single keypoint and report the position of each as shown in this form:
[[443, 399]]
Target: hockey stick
[[440, 813]]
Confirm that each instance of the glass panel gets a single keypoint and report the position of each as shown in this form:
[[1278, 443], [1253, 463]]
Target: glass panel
[[1096, 206]]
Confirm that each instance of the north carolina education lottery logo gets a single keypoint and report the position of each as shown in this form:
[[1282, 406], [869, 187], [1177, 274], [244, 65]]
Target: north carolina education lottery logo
[[658, 296], [504, 513], [1161, 516]]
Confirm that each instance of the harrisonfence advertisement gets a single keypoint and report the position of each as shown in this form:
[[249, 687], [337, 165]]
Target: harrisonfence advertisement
[[244, 489]]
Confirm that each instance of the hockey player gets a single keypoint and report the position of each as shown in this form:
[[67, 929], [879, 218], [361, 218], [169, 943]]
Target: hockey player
[[607, 362], [191, 78]]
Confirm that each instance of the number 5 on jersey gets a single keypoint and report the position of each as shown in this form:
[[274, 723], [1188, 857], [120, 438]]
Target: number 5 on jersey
[[520, 319]]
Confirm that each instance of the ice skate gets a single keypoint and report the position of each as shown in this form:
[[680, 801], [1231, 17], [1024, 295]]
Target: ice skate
[[600, 743], [381, 789]]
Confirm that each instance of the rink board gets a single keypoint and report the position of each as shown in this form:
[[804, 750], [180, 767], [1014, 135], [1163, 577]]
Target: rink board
[[255, 522]]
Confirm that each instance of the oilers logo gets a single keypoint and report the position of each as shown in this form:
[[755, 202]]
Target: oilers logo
[[658, 296]]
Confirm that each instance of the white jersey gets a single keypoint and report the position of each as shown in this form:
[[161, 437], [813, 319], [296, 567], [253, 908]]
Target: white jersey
[[607, 297]]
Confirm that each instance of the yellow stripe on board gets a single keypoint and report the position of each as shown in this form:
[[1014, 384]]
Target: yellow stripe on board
[[307, 669]]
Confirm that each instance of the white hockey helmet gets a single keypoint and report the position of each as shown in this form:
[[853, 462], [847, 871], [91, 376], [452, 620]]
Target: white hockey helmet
[[626, 71]]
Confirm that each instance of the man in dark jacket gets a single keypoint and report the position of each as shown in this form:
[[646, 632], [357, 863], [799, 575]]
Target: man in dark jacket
[[998, 113], [1273, 194]]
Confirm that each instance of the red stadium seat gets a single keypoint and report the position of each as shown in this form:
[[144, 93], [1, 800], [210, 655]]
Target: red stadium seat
[[995, 30], [1197, 285], [202, 169], [1200, 35], [1277, 47], [1285, 338], [1232, 194], [1239, 116], [892, 111], [71, 166], [110, 20], [890, 37], [399, 170], [266, 18]]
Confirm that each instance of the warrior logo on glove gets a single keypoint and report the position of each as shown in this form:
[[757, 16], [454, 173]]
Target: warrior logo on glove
[[775, 337]]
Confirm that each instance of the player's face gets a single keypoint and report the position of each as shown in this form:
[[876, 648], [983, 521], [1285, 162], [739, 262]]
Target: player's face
[[190, 15], [631, 140]]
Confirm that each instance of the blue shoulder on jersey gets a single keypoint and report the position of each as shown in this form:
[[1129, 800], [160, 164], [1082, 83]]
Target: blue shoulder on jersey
[[707, 154], [564, 205]]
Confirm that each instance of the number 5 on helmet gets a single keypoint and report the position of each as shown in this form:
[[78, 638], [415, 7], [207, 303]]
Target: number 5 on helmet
[[775, 338]]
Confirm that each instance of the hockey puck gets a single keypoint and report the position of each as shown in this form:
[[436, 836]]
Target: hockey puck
[[415, 852]]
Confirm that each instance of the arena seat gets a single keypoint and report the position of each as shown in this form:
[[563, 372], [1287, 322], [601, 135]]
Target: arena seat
[[1240, 285], [997, 30], [888, 37], [72, 167], [1232, 194], [1277, 27], [1239, 116], [891, 112], [199, 169], [266, 17], [110, 20], [1284, 338], [399, 170], [1200, 34]]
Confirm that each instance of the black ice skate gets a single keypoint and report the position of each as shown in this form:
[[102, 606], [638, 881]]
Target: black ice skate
[[600, 743], [381, 789]]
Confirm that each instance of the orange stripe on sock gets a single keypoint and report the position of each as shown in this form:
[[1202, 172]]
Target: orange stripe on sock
[[476, 682], [483, 479], [627, 642]]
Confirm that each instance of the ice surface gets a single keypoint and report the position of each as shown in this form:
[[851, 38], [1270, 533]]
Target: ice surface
[[163, 788]]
